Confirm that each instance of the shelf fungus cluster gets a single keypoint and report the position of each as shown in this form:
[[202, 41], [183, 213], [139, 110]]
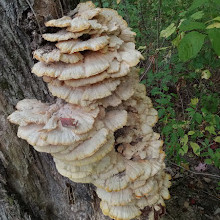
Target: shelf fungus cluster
[[100, 129]]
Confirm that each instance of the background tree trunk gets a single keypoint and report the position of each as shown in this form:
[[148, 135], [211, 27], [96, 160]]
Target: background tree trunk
[[30, 186]]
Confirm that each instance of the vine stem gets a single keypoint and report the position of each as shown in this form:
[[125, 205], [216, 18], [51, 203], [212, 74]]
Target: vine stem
[[197, 173], [38, 24]]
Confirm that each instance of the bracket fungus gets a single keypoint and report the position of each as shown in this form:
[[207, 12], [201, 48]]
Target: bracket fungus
[[100, 130]]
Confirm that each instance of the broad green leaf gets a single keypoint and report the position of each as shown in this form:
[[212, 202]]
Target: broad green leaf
[[183, 150], [168, 31], [217, 139], [208, 161], [177, 40], [191, 132], [214, 36], [206, 74], [194, 101], [197, 4], [198, 117], [195, 147], [214, 25], [181, 21], [210, 129], [184, 139], [197, 15], [188, 25], [190, 45], [216, 19]]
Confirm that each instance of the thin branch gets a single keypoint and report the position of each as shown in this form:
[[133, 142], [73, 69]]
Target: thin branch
[[55, 8], [145, 72], [38, 24], [196, 173], [170, 216], [208, 194], [61, 8], [151, 61]]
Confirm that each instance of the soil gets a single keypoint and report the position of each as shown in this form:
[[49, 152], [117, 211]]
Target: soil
[[193, 196]]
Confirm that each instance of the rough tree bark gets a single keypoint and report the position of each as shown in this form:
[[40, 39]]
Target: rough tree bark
[[30, 186]]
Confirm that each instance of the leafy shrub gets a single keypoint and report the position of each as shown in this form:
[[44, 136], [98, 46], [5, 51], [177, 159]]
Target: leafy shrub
[[180, 71]]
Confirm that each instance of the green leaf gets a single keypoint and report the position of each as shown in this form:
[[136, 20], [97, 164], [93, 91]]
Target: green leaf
[[182, 14], [214, 25], [195, 147], [194, 101], [168, 31], [177, 40], [214, 36], [208, 161], [184, 139], [197, 15], [162, 101], [216, 19], [206, 74], [216, 2], [198, 117], [142, 48], [210, 129], [190, 109], [183, 150], [175, 126], [217, 139], [161, 112], [188, 25], [197, 4], [191, 132], [190, 45], [167, 129], [210, 151]]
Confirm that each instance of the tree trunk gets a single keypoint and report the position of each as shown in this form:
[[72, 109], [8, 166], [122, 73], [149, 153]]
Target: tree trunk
[[30, 186]]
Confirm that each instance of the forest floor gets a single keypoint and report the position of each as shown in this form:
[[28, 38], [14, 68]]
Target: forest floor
[[193, 196]]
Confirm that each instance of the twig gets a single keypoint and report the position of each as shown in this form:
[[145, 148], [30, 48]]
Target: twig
[[209, 194], [170, 216], [55, 8], [196, 173], [151, 61], [145, 72], [38, 24], [61, 7]]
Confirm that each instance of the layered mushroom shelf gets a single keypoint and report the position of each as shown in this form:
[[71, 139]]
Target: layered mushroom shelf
[[100, 129]]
